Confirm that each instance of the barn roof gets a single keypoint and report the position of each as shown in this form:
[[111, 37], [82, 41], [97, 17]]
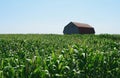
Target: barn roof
[[82, 25]]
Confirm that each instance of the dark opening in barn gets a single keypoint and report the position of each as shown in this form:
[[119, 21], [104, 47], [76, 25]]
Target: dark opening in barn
[[78, 28]]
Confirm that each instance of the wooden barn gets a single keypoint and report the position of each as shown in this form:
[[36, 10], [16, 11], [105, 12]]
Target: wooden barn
[[78, 28]]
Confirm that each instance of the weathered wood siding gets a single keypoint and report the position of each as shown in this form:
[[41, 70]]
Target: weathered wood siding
[[87, 30], [71, 29]]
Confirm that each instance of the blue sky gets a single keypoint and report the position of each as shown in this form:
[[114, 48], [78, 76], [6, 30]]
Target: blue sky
[[50, 16]]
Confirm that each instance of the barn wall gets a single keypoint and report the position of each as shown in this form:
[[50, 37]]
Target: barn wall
[[71, 29], [87, 30]]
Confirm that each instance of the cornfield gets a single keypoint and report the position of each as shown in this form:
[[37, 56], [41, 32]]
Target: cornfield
[[59, 56]]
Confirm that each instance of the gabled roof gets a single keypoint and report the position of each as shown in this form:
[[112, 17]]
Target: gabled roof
[[81, 25]]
